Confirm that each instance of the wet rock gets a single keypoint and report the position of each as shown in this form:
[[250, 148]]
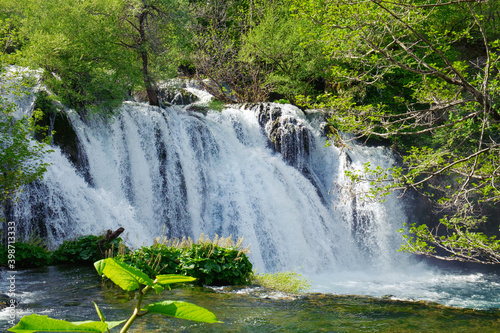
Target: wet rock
[[176, 96]]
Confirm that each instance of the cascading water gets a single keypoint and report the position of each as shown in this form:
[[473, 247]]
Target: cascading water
[[259, 171], [179, 173]]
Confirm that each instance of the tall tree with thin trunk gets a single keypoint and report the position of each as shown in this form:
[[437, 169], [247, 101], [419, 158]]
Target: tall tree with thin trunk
[[95, 51], [156, 31]]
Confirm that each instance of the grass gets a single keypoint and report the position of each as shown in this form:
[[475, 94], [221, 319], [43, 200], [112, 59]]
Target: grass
[[288, 282]]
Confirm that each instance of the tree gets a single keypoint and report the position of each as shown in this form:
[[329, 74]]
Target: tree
[[296, 62], [21, 157], [156, 31], [95, 52], [446, 55], [219, 29], [82, 66]]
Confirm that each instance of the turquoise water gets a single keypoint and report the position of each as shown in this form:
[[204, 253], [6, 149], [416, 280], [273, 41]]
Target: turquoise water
[[67, 293]]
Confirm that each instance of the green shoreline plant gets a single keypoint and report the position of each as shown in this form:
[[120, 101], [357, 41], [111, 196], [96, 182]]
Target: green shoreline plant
[[218, 261], [84, 250], [287, 282], [129, 279]]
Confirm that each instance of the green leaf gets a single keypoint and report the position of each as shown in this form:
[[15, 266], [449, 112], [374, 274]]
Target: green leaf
[[184, 310], [112, 324], [173, 278], [99, 266], [158, 288], [125, 276], [99, 312], [35, 323]]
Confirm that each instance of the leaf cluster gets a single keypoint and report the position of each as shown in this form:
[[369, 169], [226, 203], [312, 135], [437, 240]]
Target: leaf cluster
[[129, 279], [209, 263], [456, 238], [27, 255], [21, 157], [85, 249]]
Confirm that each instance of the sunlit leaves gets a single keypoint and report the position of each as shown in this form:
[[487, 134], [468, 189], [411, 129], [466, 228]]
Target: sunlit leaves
[[21, 157], [457, 238], [36, 323], [183, 310], [125, 276], [173, 278], [129, 279]]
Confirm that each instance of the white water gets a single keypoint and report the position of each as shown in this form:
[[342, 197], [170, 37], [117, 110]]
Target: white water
[[177, 173]]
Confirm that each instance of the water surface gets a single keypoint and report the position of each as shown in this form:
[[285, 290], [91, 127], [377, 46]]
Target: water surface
[[67, 293]]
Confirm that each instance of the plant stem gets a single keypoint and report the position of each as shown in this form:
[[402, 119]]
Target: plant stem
[[137, 309]]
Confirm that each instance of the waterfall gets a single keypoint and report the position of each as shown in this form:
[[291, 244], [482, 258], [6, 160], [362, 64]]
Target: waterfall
[[260, 172]]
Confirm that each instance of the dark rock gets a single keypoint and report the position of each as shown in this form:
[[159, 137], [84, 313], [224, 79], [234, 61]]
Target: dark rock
[[176, 96], [56, 121]]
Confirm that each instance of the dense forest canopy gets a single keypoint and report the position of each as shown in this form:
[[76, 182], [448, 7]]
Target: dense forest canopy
[[421, 75]]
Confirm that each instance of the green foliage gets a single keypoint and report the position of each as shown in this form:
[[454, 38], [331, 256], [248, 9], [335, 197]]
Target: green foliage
[[216, 105], [72, 43], [154, 260], [37, 323], [423, 74], [214, 265], [85, 249], [27, 255], [21, 158], [10, 42], [288, 282], [296, 61], [219, 28], [456, 239], [129, 279], [94, 52]]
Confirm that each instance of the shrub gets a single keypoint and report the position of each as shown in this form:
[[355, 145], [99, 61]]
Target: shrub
[[85, 249], [217, 262], [214, 265], [154, 260], [26, 255]]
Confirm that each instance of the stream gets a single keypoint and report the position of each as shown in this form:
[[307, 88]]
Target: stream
[[67, 293]]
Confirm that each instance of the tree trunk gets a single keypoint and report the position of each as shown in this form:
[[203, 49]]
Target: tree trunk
[[148, 81]]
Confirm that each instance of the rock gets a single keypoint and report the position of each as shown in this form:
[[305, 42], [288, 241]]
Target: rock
[[176, 96], [57, 121]]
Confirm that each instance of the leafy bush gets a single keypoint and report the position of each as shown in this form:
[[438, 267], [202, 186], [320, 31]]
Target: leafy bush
[[217, 262], [85, 249], [154, 260], [216, 105], [214, 265], [27, 255]]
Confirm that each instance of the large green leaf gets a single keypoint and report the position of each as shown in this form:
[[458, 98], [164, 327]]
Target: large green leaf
[[35, 323], [110, 324], [182, 310], [125, 276], [99, 266], [173, 278]]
